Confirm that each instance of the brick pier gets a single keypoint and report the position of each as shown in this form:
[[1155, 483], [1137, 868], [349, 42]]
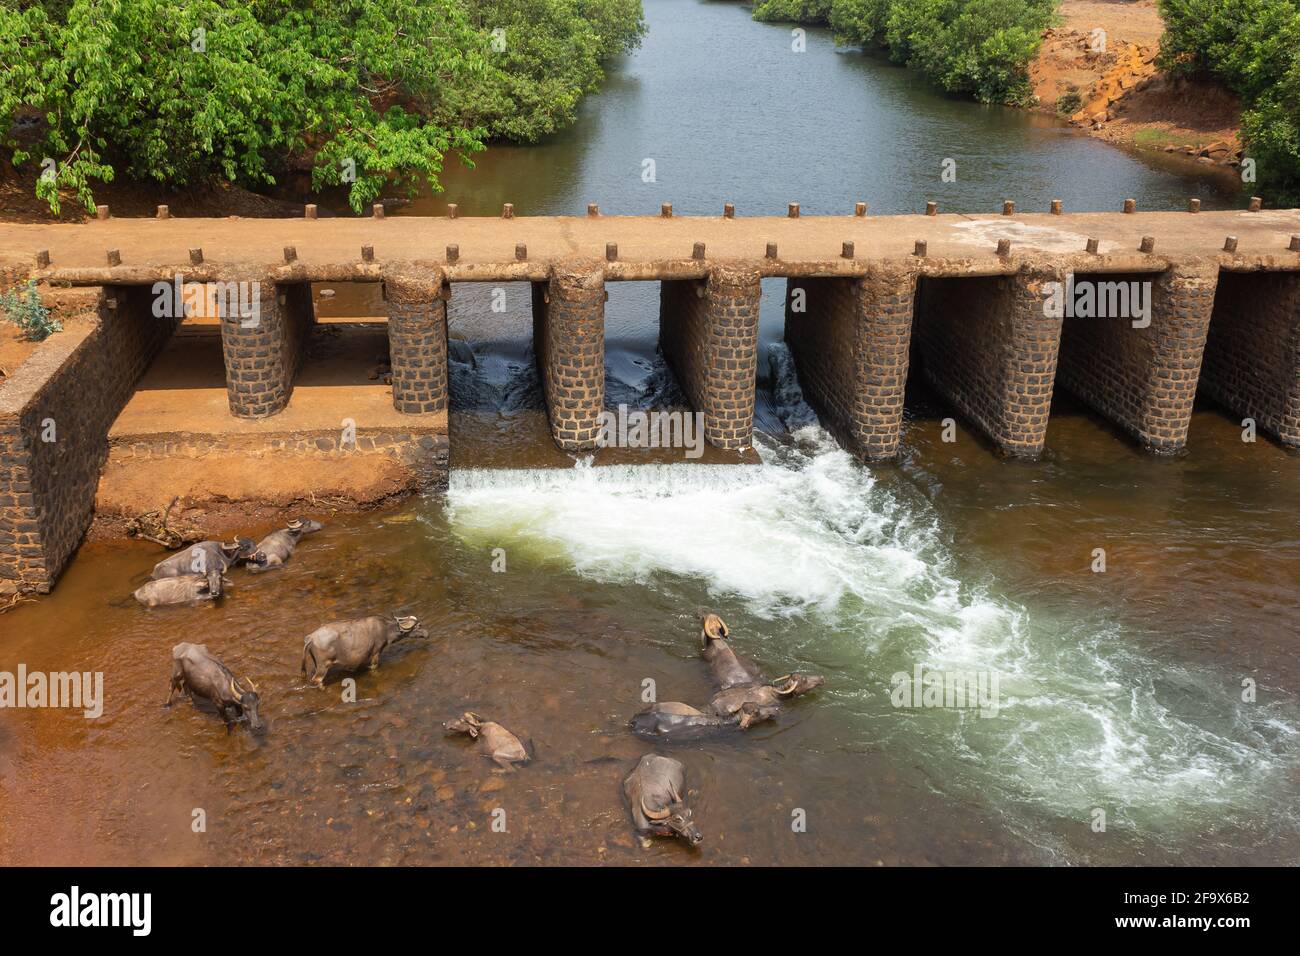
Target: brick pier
[[990, 348], [850, 341], [708, 332], [417, 341], [569, 341]]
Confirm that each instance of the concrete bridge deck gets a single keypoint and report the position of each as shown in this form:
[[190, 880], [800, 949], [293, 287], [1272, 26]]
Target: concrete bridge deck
[[647, 247]]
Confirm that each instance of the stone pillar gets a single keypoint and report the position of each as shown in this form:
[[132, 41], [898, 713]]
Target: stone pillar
[[1141, 378], [417, 341], [569, 342], [263, 331], [1252, 356], [708, 332], [989, 346], [849, 339]]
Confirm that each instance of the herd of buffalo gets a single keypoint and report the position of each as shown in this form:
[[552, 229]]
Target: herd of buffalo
[[656, 787]]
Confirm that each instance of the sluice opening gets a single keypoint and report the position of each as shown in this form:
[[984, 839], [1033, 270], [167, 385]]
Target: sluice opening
[[1251, 366]]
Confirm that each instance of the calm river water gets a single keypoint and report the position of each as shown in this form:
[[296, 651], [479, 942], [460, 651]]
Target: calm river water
[[1121, 693]]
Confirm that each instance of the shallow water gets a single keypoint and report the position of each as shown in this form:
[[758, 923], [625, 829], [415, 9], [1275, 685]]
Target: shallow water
[[1119, 691]]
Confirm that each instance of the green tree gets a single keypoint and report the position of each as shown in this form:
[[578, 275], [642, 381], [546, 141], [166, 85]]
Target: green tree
[[372, 94]]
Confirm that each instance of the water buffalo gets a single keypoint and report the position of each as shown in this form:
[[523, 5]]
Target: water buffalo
[[195, 672], [493, 740], [729, 668], [185, 589], [350, 644], [275, 549], [677, 721], [199, 558], [752, 703], [656, 795]]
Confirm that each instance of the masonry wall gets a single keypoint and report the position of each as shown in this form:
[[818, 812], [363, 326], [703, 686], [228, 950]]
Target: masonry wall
[[708, 333], [988, 347], [569, 344], [55, 412], [417, 343], [1143, 379], [262, 355], [1252, 355], [850, 343]]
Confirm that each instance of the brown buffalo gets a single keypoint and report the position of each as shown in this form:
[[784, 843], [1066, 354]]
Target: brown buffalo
[[197, 673], [494, 741], [729, 668], [352, 644], [185, 589], [656, 797]]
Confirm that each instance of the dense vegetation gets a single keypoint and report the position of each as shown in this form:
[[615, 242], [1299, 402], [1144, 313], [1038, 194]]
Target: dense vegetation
[[976, 47], [364, 92], [1253, 48]]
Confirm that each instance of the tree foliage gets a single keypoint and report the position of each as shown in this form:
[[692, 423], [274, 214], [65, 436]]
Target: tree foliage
[[367, 92], [1253, 48], [977, 47]]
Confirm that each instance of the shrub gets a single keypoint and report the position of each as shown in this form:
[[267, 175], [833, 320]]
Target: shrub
[[22, 306]]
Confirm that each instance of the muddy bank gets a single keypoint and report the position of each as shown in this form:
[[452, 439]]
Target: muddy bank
[[1098, 70]]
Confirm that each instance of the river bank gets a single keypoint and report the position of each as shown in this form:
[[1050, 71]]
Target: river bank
[[1108, 84]]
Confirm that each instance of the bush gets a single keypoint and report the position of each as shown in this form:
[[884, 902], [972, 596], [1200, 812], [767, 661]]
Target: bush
[[793, 11], [23, 307], [977, 47], [1253, 48], [364, 91]]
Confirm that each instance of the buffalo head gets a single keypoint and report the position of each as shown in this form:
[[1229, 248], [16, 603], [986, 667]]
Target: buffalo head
[[409, 627], [467, 723], [238, 550], [792, 685], [248, 699], [674, 820], [712, 628], [299, 526]]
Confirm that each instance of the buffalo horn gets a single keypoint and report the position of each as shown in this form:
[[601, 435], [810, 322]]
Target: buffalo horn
[[655, 815]]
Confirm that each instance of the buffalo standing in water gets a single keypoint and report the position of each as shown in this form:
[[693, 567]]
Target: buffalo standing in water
[[197, 673], [655, 791], [276, 548], [203, 557], [729, 668], [185, 589], [752, 703], [350, 644], [494, 741]]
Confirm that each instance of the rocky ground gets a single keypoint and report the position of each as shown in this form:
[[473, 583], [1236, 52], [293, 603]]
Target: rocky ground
[[1108, 84]]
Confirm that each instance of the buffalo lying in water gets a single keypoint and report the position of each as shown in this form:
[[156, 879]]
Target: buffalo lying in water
[[729, 668], [750, 704], [276, 548], [203, 557], [197, 673], [494, 741], [656, 796], [184, 589], [675, 721], [678, 721], [351, 644]]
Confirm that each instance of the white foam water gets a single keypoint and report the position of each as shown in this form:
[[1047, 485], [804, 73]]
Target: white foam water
[[829, 566]]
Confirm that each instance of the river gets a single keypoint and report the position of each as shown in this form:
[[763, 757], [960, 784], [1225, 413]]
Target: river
[[1125, 729]]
